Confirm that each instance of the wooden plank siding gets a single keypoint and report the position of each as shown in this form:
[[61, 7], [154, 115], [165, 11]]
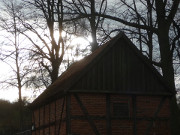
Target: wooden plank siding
[[120, 70]]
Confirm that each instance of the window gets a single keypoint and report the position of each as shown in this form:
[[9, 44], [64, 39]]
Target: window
[[120, 110]]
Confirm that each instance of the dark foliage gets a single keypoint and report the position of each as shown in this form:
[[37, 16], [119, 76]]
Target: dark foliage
[[10, 118]]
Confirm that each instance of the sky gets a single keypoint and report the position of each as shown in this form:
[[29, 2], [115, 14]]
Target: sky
[[11, 94]]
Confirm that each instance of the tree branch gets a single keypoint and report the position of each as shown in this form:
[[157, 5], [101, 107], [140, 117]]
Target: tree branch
[[135, 25]]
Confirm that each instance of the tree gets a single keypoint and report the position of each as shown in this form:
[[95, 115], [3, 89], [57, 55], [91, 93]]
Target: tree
[[162, 14], [45, 23], [153, 20], [153, 23], [79, 11], [9, 123], [13, 51]]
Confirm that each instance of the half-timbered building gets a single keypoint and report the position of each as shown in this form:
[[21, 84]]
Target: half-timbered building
[[113, 91]]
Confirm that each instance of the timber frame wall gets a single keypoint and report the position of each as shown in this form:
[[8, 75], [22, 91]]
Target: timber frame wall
[[92, 114]]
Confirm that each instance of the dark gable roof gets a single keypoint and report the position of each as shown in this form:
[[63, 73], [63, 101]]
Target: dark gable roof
[[76, 71]]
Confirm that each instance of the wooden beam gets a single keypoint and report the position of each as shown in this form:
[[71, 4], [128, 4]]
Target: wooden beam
[[155, 115], [55, 116], [103, 74], [113, 69], [108, 115], [33, 117], [80, 117], [44, 111], [61, 115], [46, 125], [39, 118], [49, 116], [118, 91], [83, 108], [68, 114], [134, 115], [104, 117]]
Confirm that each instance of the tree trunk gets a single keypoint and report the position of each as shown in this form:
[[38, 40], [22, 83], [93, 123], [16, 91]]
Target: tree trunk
[[55, 71], [94, 44], [166, 57], [168, 75], [167, 67]]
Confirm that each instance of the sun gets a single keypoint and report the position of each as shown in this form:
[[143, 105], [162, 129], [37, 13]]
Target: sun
[[77, 48]]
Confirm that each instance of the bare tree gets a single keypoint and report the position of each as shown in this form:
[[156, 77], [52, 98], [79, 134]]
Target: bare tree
[[152, 22], [12, 52], [156, 18], [46, 24], [79, 11]]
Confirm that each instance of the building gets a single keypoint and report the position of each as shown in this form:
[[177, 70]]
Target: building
[[113, 91]]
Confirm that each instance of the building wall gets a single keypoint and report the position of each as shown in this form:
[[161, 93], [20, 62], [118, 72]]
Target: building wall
[[87, 114]]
